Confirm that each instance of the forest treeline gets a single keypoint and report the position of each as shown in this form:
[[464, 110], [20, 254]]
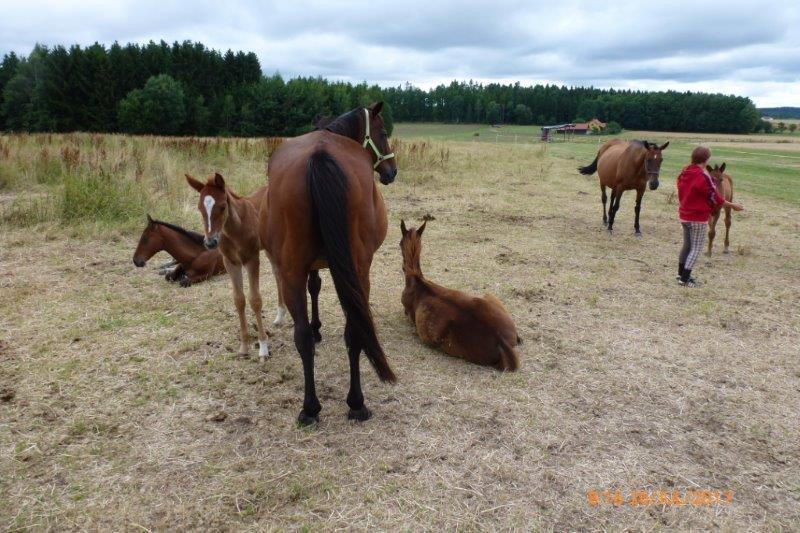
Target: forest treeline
[[188, 89]]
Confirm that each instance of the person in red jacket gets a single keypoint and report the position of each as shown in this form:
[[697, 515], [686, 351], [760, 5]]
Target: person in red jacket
[[697, 198]]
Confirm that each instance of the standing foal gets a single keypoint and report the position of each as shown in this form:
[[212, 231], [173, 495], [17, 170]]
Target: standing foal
[[479, 330], [231, 223], [724, 184]]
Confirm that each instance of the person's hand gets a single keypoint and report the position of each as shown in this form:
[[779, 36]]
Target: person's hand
[[736, 207]]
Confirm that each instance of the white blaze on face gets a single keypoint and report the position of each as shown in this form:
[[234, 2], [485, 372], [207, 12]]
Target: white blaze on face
[[208, 202]]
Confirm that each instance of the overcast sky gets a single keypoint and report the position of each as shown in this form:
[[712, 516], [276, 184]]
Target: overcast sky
[[750, 48]]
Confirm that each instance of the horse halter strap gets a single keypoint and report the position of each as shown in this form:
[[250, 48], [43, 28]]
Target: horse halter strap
[[369, 142]]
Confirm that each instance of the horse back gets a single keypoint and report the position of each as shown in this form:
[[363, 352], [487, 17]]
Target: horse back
[[288, 222]]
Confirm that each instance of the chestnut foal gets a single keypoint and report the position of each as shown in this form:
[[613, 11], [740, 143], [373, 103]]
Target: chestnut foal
[[231, 223], [724, 183], [478, 330], [195, 263]]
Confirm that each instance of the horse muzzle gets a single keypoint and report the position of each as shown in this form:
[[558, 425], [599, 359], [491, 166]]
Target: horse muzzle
[[138, 262], [654, 183], [211, 243], [388, 177]]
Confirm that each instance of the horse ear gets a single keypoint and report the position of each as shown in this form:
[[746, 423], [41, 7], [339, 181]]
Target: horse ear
[[219, 181], [149, 219], [403, 229], [708, 167], [664, 146], [375, 108], [722, 167], [194, 184], [421, 229]]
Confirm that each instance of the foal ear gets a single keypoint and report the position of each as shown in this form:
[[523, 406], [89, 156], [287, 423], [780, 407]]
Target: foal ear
[[664, 146], [194, 184], [722, 167], [708, 167], [149, 219], [219, 181], [375, 108], [403, 229], [421, 229]]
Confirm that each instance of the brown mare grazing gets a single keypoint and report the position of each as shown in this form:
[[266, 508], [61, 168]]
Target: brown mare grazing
[[195, 262], [478, 330], [323, 209], [725, 187], [231, 223], [622, 166]]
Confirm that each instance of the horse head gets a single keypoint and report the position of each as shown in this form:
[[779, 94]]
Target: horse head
[[213, 206], [411, 246], [716, 173], [376, 139], [150, 243], [652, 162]]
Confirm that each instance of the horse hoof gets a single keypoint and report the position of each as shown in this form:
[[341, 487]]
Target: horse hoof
[[638, 234], [361, 414], [605, 222], [304, 420], [726, 251]]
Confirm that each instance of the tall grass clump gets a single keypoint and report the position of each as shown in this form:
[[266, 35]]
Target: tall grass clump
[[99, 198], [421, 155]]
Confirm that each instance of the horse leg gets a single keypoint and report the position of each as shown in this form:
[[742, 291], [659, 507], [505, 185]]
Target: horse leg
[[280, 314], [294, 294], [314, 286], [727, 230], [253, 268], [355, 397], [237, 285], [637, 210], [603, 198], [614, 207], [712, 231]]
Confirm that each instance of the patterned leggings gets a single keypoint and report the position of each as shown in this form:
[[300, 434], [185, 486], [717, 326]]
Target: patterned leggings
[[694, 234]]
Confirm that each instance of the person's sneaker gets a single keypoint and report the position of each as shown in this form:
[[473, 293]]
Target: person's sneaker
[[692, 283]]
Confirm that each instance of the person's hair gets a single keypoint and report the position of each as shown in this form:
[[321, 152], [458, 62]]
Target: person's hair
[[701, 154]]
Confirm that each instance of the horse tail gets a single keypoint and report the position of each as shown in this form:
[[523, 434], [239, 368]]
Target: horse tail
[[509, 357], [590, 169], [327, 186]]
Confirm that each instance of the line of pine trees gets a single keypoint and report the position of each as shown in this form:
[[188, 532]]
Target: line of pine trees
[[188, 89]]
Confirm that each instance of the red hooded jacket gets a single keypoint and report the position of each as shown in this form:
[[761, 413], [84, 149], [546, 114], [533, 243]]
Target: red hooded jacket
[[697, 195]]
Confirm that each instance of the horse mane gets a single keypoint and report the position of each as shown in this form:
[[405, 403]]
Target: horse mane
[[194, 236], [347, 125]]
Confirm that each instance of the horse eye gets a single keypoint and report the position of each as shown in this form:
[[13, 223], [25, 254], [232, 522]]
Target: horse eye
[[222, 209]]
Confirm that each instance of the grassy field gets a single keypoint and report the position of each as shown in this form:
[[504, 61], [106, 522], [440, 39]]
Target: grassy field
[[123, 404]]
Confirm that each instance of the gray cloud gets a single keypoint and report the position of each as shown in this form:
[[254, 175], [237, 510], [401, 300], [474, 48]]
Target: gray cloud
[[725, 46]]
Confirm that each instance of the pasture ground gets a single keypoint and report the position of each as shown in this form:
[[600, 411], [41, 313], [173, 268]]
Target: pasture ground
[[124, 406]]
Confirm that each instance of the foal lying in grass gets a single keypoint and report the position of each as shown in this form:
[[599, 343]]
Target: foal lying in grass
[[478, 330], [195, 262]]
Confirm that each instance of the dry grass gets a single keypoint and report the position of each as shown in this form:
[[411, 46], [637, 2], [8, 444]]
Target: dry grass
[[124, 406]]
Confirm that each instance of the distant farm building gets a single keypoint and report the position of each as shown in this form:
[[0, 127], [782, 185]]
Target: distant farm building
[[568, 130]]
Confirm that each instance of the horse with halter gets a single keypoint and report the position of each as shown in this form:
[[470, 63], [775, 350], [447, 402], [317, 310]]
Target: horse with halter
[[195, 262], [622, 166], [323, 209]]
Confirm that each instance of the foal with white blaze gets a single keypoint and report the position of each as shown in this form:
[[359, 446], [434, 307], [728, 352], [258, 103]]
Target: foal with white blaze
[[231, 224]]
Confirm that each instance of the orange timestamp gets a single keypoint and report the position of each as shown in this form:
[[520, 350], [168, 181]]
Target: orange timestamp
[[674, 498]]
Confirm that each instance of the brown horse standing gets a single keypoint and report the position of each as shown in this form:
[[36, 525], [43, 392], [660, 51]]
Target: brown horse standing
[[323, 209], [231, 222], [195, 262], [725, 187], [478, 330], [622, 166]]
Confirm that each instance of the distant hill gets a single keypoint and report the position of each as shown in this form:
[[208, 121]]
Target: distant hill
[[780, 112]]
